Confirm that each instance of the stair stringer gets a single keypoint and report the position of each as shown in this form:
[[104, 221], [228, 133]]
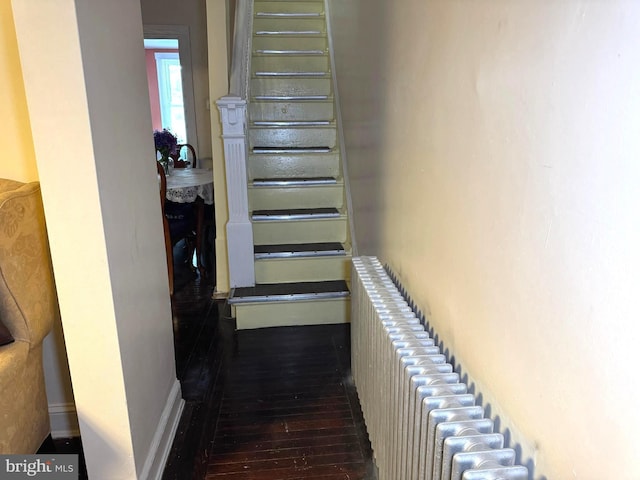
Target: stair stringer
[[340, 132]]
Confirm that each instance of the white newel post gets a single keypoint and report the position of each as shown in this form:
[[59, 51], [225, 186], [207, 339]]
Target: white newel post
[[239, 231]]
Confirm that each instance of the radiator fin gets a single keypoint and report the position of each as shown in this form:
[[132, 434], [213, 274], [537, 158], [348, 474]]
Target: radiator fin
[[422, 423]]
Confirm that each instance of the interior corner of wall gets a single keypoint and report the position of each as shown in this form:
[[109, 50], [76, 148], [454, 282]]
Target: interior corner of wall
[[18, 141]]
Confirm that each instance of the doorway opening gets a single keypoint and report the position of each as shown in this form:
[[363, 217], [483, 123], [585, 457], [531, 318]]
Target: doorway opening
[[169, 76], [164, 78]]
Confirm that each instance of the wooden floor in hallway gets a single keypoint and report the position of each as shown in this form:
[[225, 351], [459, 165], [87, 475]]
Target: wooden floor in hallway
[[273, 403], [289, 409]]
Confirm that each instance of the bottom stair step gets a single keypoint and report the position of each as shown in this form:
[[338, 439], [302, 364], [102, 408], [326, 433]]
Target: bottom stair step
[[278, 292], [289, 304]]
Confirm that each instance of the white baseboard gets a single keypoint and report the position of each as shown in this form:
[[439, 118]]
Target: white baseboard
[[64, 420], [163, 438]]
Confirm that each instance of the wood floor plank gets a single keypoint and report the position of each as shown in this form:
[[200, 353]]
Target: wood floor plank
[[300, 461], [259, 407], [335, 476], [288, 415], [260, 450], [301, 471], [284, 425], [262, 444], [290, 393], [286, 411], [279, 455], [294, 368], [282, 382], [285, 365], [250, 415]]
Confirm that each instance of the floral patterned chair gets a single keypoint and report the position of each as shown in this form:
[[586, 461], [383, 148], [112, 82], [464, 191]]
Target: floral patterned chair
[[28, 307]]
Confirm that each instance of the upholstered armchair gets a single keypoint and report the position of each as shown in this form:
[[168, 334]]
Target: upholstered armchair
[[28, 307]]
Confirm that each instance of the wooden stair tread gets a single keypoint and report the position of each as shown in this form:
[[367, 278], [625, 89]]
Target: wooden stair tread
[[267, 292], [291, 123], [298, 125], [290, 32], [268, 150], [282, 52], [289, 15], [291, 74], [295, 214], [289, 250], [268, 182], [295, 98]]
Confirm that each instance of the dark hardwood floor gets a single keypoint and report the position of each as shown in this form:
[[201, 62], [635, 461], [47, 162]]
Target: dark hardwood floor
[[266, 404], [289, 410], [274, 403]]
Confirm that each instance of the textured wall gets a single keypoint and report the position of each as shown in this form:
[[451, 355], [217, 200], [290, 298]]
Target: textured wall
[[492, 151]]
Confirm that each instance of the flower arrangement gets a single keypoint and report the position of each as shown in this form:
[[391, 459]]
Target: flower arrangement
[[166, 142]]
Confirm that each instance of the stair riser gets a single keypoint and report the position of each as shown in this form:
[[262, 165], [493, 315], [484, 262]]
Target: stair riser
[[289, 42], [312, 269], [303, 137], [290, 86], [300, 231], [261, 24], [279, 198], [289, 63], [293, 165], [296, 7], [280, 314], [289, 111]]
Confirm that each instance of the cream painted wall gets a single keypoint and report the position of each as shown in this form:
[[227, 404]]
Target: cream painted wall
[[105, 226], [217, 37], [191, 13], [493, 158], [18, 162]]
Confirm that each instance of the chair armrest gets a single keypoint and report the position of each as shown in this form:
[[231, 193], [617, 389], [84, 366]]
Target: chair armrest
[[28, 302]]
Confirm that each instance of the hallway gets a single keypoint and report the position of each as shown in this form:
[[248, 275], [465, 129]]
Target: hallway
[[275, 403]]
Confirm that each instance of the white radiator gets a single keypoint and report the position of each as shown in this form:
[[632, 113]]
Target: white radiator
[[422, 423]]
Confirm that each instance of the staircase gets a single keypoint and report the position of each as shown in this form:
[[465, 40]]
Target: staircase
[[296, 190]]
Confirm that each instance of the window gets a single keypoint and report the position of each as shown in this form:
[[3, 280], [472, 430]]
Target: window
[[170, 94]]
